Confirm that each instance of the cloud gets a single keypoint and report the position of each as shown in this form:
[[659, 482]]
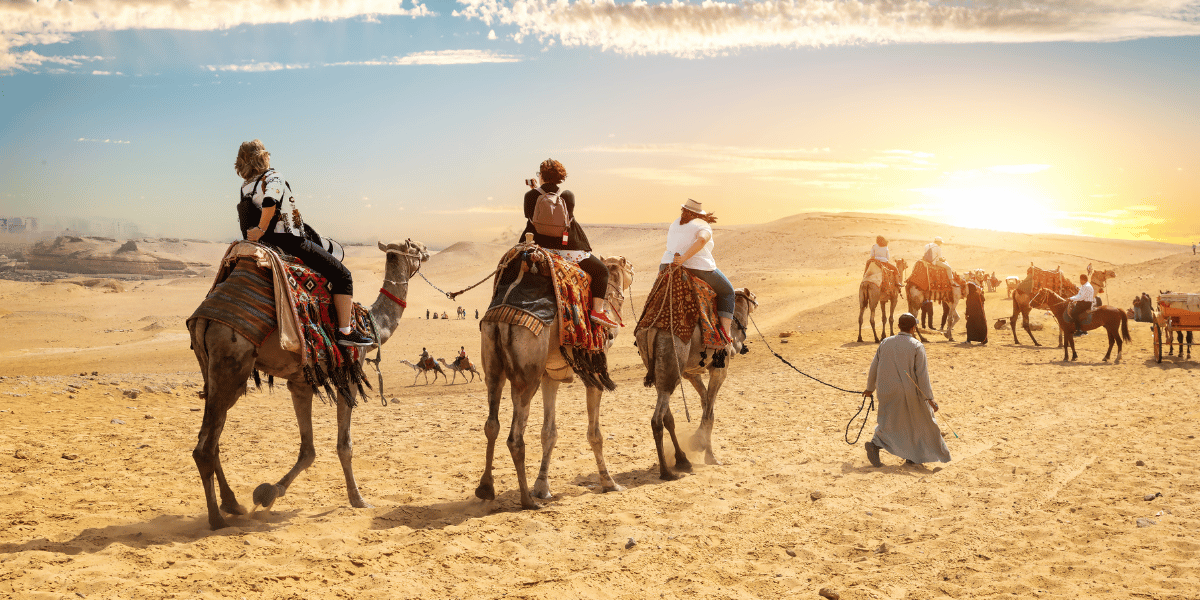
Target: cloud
[[1018, 169], [713, 28], [438, 57], [107, 73], [107, 141], [39, 22], [474, 210]]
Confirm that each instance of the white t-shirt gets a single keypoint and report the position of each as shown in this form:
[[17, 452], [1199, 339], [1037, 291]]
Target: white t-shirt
[[681, 237], [1086, 293], [880, 253], [275, 189]]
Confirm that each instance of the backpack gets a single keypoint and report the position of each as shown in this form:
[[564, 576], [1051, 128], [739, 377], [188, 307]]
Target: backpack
[[550, 216]]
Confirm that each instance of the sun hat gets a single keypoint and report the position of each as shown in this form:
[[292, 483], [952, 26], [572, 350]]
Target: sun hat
[[937, 240], [693, 206]]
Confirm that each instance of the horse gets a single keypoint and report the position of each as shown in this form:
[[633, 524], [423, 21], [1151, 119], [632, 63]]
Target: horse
[[1109, 317]]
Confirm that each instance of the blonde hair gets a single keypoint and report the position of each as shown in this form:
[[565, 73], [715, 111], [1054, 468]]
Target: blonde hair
[[552, 171], [252, 160]]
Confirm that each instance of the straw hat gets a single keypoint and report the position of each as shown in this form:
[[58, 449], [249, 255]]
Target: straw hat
[[693, 206]]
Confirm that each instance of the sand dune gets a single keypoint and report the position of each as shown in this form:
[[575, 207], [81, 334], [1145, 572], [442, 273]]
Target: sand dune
[[1045, 497]]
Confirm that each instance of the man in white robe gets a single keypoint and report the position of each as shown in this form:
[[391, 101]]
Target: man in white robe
[[906, 426]]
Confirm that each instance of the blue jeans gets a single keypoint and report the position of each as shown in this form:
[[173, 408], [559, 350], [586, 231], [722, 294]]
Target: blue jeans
[[719, 283]]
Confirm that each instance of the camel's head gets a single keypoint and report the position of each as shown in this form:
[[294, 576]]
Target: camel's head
[[901, 264], [412, 252], [620, 271], [744, 303]]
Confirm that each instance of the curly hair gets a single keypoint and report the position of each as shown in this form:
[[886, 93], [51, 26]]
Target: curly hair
[[687, 215], [552, 171], [881, 241], [252, 160]]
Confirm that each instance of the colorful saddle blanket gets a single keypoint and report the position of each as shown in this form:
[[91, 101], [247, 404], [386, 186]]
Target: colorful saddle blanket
[[536, 286], [428, 364], [1055, 281], [678, 302], [891, 275], [248, 298], [934, 281]]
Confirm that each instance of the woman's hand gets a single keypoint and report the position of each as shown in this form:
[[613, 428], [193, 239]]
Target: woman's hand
[[678, 260], [254, 234]]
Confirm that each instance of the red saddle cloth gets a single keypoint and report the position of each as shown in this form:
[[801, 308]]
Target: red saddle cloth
[[934, 281], [891, 275], [243, 297], [428, 364], [677, 303]]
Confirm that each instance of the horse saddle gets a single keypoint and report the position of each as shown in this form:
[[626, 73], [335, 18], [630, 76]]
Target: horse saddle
[[1084, 319]]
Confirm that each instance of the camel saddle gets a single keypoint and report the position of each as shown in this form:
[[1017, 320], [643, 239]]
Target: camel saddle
[[934, 281], [257, 291], [1054, 281], [536, 286], [428, 364], [891, 275], [678, 302]]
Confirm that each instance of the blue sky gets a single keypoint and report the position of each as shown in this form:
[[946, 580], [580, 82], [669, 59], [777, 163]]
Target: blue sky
[[396, 120]]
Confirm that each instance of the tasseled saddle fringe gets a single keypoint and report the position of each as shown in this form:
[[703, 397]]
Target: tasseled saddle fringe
[[591, 367]]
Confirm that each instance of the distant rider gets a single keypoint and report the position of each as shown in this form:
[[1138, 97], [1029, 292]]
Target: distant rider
[[1083, 302]]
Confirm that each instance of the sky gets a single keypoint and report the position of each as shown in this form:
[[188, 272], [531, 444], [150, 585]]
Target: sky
[[422, 119]]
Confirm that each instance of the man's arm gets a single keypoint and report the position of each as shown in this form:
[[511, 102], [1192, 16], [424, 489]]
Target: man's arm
[[871, 376]]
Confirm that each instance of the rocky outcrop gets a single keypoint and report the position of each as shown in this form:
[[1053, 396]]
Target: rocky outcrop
[[106, 256]]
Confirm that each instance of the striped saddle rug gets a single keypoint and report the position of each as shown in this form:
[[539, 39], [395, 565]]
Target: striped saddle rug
[[248, 297]]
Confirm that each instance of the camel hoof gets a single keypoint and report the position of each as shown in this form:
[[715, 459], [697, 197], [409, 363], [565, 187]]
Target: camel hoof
[[668, 476], [683, 464], [615, 487], [531, 505], [217, 523], [234, 508], [265, 495], [485, 491], [541, 489], [709, 459], [360, 503]]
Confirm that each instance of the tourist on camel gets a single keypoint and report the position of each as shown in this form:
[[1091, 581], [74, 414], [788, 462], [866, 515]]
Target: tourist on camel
[[268, 215], [879, 252], [1082, 302], [424, 357], [572, 243], [462, 357], [690, 243], [933, 255]]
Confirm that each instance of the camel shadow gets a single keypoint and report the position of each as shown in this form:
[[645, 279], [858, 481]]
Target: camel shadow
[[860, 344], [163, 530], [913, 470]]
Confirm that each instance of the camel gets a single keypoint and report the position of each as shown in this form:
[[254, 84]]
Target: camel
[[872, 293], [1098, 278], [470, 368], [665, 356], [1021, 306], [513, 353], [227, 359], [421, 370]]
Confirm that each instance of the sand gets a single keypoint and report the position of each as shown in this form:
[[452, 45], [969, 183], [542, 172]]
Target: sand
[[1045, 497]]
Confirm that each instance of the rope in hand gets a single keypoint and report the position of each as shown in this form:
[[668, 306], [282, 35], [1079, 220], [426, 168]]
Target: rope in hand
[[860, 408]]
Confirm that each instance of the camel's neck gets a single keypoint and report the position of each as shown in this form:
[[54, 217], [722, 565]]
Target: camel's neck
[[386, 311]]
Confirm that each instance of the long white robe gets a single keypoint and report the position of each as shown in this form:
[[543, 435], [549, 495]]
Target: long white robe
[[906, 425]]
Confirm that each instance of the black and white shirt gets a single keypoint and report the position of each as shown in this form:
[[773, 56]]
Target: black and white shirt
[[270, 189]]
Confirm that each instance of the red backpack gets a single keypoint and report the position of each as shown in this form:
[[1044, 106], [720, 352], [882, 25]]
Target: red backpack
[[550, 215]]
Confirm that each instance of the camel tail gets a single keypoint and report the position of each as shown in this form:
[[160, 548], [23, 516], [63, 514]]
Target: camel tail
[[197, 330], [864, 294], [1125, 327], [645, 346]]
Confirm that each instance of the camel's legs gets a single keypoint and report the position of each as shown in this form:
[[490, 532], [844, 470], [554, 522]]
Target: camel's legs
[[662, 419], [494, 378], [225, 373], [541, 487], [522, 389], [715, 379], [302, 394], [345, 450], [667, 377], [595, 437]]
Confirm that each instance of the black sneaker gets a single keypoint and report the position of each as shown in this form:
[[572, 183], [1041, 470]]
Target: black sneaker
[[873, 454], [353, 338]]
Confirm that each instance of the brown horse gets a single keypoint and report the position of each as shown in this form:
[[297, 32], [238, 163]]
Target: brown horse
[[1109, 317]]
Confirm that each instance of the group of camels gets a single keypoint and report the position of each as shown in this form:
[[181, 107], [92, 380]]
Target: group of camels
[[874, 294], [455, 367], [509, 353]]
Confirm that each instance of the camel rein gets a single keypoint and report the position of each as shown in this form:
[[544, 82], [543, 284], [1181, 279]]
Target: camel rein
[[864, 405]]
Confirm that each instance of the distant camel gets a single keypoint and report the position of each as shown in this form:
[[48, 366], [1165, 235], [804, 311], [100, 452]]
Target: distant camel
[[1098, 279], [665, 357], [470, 368], [1023, 294], [422, 370], [227, 359], [872, 293], [513, 353]]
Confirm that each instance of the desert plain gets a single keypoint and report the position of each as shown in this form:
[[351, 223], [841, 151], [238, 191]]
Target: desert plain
[[1068, 479]]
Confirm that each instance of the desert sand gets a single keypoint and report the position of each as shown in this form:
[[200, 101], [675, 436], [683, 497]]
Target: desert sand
[[1046, 496]]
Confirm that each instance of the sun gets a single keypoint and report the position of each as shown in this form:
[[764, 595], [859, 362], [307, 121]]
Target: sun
[[996, 208]]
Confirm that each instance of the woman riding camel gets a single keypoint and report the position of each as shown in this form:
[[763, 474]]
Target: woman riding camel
[[879, 252], [268, 215], [690, 244], [565, 237]]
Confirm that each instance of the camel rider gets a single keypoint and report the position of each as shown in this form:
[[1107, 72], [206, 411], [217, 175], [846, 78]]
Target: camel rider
[[690, 244], [462, 361], [1082, 302], [933, 255], [424, 357], [879, 252]]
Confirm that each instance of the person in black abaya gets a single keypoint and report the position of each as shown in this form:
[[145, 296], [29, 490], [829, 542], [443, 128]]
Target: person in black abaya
[[977, 327]]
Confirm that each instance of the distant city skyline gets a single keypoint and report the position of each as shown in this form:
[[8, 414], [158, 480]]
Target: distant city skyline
[[410, 119]]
